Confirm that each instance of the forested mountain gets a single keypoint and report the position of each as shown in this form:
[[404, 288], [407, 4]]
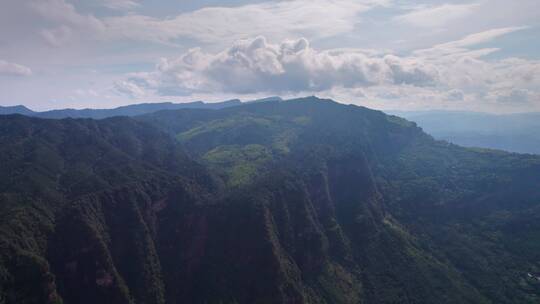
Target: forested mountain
[[509, 132], [130, 110], [15, 110], [298, 201]]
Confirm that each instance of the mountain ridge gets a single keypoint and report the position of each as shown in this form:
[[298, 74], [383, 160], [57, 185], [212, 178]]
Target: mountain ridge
[[305, 201], [129, 110]]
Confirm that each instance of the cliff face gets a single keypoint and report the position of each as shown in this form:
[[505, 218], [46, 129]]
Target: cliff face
[[293, 242], [302, 201], [322, 239], [62, 185], [278, 243]]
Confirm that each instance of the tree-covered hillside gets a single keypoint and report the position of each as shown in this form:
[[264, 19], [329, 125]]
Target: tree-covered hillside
[[299, 201]]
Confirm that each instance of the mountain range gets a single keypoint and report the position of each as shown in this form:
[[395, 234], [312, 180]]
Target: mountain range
[[130, 110], [508, 132], [296, 201]]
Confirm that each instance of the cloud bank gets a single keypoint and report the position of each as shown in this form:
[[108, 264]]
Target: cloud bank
[[254, 66], [449, 72], [423, 53]]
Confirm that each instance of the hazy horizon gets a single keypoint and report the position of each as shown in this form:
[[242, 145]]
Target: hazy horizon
[[388, 111]]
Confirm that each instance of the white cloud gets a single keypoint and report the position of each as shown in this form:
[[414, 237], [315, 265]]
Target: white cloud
[[251, 66], [89, 37], [13, 69], [466, 69], [437, 16], [481, 37], [460, 47], [473, 74], [274, 19], [63, 13], [130, 89], [58, 21], [119, 4], [293, 67]]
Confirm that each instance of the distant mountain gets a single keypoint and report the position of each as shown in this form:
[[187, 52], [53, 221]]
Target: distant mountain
[[15, 110], [130, 110], [271, 98], [298, 201], [512, 132]]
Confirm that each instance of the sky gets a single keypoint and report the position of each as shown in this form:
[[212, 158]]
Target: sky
[[481, 55]]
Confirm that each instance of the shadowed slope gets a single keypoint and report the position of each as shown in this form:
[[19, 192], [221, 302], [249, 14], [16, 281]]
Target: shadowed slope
[[301, 201]]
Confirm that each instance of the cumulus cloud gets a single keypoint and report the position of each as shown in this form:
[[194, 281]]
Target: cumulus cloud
[[293, 66], [13, 69], [251, 66]]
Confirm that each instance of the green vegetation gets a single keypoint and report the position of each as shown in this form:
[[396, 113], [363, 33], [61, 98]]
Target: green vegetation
[[303, 201], [240, 164]]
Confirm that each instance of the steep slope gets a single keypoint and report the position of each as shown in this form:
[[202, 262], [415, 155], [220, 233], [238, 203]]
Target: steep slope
[[55, 176], [300, 201], [436, 199]]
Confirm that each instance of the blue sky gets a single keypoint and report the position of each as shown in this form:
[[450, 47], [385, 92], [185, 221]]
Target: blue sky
[[388, 54]]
